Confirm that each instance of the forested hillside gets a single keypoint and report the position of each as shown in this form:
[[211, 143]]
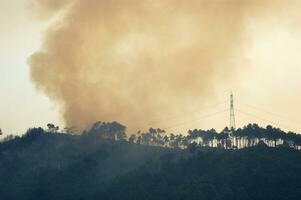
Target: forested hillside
[[250, 174], [102, 163]]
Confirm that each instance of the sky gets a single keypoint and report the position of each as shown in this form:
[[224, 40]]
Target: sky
[[265, 78], [21, 105]]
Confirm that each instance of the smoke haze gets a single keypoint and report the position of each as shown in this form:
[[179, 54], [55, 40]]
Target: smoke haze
[[131, 60]]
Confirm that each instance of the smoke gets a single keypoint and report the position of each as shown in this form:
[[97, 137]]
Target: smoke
[[131, 60]]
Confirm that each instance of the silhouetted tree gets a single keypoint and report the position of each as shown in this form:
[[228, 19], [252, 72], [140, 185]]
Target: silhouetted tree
[[52, 128], [107, 130], [132, 138]]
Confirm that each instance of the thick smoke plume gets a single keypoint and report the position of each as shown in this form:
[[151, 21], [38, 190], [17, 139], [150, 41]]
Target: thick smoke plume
[[131, 60]]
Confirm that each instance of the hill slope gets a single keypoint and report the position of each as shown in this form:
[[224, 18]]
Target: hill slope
[[254, 173], [57, 166]]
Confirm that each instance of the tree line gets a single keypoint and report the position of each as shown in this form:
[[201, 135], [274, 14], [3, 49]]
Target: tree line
[[247, 136]]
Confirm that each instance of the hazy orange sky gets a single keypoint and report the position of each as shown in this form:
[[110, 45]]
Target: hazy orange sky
[[264, 73]]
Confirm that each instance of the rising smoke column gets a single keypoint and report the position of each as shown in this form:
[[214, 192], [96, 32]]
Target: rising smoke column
[[130, 60]]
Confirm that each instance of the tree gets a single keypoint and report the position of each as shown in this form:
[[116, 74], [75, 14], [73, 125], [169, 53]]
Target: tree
[[132, 138], [35, 131], [166, 140], [52, 128], [107, 130], [118, 130], [1, 132]]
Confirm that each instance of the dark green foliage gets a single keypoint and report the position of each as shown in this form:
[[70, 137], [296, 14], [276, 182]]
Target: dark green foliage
[[43, 165], [101, 164], [107, 130], [249, 174]]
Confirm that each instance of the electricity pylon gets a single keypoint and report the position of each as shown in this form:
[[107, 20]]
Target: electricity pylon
[[232, 115]]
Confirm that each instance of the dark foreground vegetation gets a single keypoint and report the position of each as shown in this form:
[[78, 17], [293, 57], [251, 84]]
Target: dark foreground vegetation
[[102, 163]]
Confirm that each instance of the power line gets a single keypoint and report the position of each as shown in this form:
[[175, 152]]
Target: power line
[[199, 118], [232, 116], [172, 117], [271, 113], [266, 120]]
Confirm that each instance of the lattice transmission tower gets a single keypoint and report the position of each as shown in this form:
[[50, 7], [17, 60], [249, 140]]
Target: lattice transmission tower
[[232, 114]]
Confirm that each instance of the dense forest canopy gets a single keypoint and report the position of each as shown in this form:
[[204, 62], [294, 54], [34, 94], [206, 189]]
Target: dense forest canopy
[[102, 163]]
